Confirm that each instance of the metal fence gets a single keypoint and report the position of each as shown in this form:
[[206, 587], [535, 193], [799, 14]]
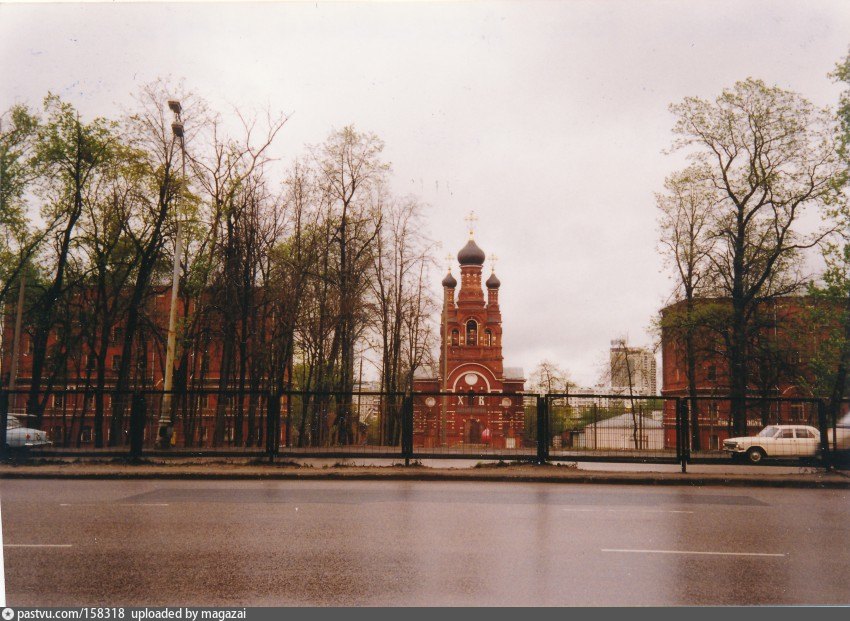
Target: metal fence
[[610, 427], [774, 428], [421, 425]]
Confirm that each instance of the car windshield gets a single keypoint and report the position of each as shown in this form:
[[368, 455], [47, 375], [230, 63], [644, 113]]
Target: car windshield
[[13, 423], [768, 432]]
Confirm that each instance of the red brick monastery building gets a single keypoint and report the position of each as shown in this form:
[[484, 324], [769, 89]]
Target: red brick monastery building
[[791, 331], [474, 400]]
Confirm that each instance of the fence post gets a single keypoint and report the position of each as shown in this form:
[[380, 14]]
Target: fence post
[[542, 430], [273, 425], [4, 420], [137, 425], [684, 434], [823, 426], [407, 428], [677, 421], [288, 437]]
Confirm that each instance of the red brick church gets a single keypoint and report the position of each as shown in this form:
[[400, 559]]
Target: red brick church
[[481, 398]]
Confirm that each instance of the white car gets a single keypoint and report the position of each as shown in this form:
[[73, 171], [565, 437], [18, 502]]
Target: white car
[[18, 436], [776, 441]]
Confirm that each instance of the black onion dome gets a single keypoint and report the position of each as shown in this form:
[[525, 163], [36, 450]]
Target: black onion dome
[[449, 281], [493, 282], [471, 254]]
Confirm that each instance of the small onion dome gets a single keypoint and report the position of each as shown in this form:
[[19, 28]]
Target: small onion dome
[[493, 282], [449, 281], [471, 254]]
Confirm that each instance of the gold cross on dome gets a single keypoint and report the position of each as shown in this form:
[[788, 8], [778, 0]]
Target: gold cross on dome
[[493, 259], [449, 259], [471, 219]]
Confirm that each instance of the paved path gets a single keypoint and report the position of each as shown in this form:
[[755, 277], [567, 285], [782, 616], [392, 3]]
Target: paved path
[[157, 542]]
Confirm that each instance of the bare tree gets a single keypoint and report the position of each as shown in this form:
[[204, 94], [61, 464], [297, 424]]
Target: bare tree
[[351, 174], [228, 177], [549, 378], [687, 240], [155, 163], [399, 262]]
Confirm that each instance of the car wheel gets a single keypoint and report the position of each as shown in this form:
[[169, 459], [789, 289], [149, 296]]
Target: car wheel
[[755, 455]]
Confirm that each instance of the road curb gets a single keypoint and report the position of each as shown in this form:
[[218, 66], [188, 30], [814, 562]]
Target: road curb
[[809, 482]]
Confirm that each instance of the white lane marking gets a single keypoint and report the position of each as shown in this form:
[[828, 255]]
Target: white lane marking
[[691, 552], [120, 504], [38, 545], [629, 510]]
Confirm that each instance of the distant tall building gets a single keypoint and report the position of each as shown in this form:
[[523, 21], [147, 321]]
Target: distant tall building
[[632, 366]]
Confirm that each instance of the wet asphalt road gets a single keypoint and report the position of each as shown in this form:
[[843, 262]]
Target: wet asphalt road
[[420, 543]]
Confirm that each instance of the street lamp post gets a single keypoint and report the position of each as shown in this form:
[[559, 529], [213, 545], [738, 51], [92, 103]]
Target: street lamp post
[[166, 424]]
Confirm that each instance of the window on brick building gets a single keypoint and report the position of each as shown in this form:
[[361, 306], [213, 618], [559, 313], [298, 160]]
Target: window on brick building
[[711, 374], [471, 332], [58, 400], [116, 362], [455, 338], [488, 338]]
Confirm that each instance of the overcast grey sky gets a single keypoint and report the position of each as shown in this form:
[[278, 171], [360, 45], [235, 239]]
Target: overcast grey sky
[[549, 119]]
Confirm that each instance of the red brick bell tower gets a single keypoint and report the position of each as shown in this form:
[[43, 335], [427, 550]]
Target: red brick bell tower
[[472, 383]]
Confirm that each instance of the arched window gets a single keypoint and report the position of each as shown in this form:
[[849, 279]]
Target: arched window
[[471, 332], [488, 338], [455, 338]]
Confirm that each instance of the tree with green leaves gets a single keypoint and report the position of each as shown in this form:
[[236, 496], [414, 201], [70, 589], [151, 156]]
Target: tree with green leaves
[[831, 363], [18, 240], [769, 155], [68, 154]]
